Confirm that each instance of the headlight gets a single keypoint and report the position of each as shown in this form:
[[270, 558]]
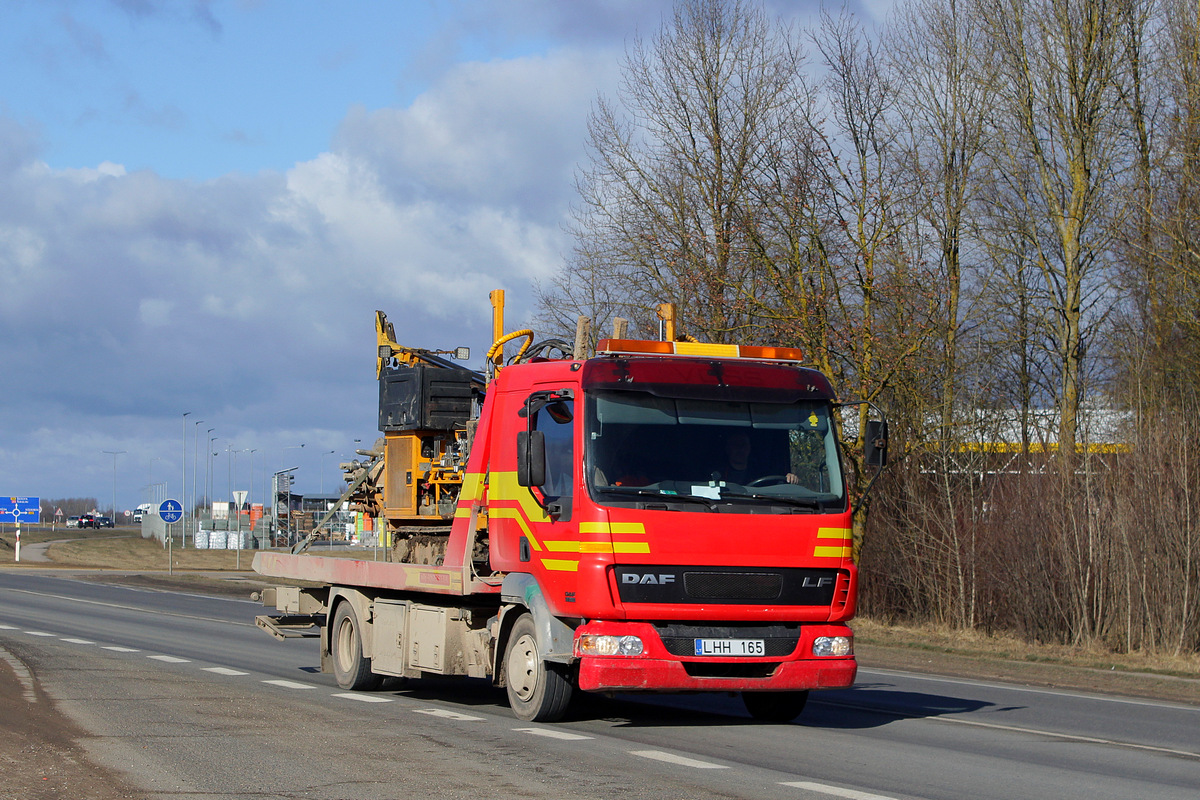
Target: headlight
[[591, 644], [832, 646]]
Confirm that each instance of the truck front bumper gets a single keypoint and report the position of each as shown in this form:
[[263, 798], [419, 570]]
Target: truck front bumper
[[655, 669], [614, 674]]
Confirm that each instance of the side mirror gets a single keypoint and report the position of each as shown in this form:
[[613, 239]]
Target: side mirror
[[531, 458], [875, 444]]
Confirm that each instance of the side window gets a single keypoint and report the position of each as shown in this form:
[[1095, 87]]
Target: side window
[[557, 422]]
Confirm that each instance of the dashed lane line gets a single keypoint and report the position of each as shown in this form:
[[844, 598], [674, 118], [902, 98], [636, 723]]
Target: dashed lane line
[[445, 714], [550, 733], [364, 698], [290, 684], [78, 641], [836, 791], [118, 649], [171, 659], [39, 633], [224, 671], [672, 758]]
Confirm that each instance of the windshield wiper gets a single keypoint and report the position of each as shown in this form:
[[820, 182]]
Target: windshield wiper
[[667, 498], [801, 502]]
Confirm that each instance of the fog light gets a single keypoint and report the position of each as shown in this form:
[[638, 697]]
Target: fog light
[[832, 646], [591, 644]]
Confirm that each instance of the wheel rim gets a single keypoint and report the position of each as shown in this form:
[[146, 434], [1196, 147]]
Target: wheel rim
[[345, 645], [523, 666]]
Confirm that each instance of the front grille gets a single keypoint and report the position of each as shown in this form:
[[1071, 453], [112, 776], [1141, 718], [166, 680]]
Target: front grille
[[733, 585], [780, 586]]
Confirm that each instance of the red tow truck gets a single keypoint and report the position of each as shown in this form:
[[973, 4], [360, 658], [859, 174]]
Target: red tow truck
[[663, 516]]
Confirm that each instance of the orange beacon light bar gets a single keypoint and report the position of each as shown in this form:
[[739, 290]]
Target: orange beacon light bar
[[697, 349]]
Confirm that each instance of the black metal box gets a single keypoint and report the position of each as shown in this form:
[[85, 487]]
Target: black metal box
[[423, 398]]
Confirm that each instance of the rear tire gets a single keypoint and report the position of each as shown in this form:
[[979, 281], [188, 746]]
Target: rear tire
[[775, 706], [538, 690], [345, 643]]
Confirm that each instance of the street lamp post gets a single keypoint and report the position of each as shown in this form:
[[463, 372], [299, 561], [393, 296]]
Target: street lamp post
[[208, 487], [289, 497], [114, 454], [183, 482], [195, 470]]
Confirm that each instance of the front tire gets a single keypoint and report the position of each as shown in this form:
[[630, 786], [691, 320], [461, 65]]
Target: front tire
[[345, 643], [538, 690], [775, 706]]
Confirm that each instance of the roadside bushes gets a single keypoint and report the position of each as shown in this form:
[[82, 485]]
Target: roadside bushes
[[1099, 550]]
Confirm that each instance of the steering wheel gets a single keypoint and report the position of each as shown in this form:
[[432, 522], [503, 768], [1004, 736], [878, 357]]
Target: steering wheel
[[767, 479]]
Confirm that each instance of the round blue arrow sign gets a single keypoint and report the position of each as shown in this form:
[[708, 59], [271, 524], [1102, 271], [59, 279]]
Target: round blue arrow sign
[[170, 511]]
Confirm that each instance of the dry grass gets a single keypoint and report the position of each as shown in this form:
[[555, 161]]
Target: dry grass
[[135, 553], [1005, 647]]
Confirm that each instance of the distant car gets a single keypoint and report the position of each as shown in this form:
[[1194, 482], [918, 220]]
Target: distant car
[[104, 522], [72, 522], [86, 521]]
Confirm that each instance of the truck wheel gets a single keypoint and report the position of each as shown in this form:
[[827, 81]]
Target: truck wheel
[[775, 706], [345, 640], [538, 691]]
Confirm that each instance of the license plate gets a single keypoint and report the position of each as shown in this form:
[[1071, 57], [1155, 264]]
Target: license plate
[[730, 647]]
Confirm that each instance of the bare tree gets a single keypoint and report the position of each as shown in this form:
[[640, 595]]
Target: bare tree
[[674, 159], [1059, 62]]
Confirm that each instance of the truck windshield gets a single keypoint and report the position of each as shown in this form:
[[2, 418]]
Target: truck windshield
[[738, 456]]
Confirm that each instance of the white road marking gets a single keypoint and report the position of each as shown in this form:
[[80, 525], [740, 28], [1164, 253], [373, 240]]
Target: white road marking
[[118, 649], [1070, 737], [364, 698], [79, 641], [39, 633], [290, 684], [836, 791], [550, 733], [1012, 687], [224, 671], [4, 627], [155, 611], [444, 714], [671, 758], [171, 659]]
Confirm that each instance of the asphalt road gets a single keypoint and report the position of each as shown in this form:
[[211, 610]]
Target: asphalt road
[[184, 694]]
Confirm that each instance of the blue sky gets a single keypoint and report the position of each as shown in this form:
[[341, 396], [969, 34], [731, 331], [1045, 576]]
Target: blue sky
[[203, 202]]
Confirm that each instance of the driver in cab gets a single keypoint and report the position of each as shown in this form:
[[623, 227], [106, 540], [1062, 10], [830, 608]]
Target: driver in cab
[[738, 467]]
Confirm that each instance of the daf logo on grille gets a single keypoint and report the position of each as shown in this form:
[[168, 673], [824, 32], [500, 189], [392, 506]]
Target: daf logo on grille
[[648, 578]]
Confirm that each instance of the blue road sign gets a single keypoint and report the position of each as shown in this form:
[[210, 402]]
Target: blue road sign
[[170, 511], [20, 509]]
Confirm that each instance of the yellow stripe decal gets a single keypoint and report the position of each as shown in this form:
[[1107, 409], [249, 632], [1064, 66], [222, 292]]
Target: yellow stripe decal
[[833, 533], [631, 547], [504, 486], [832, 552], [562, 547], [629, 528], [515, 514], [560, 565], [472, 488]]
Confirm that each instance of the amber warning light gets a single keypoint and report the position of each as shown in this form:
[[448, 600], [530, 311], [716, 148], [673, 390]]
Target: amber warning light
[[697, 349]]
